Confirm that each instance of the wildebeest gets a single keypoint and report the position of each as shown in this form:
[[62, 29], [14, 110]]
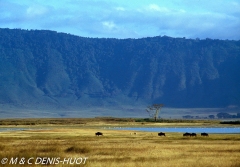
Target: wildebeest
[[133, 133], [99, 134], [161, 134], [193, 134], [187, 134], [204, 134]]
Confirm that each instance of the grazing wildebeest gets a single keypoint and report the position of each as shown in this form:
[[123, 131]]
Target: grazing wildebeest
[[99, 134], [187, 134], [161, 134], [193, 134], [204, 134]]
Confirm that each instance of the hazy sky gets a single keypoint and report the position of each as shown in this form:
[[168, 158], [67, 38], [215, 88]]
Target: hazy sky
[[218, 19]]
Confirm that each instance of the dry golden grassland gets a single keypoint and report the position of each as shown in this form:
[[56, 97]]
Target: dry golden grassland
[[117, 148]]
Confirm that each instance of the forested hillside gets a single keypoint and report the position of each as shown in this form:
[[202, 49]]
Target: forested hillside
[[44, 69]]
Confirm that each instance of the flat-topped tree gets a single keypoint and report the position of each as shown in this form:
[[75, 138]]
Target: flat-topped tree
[[154, 110]]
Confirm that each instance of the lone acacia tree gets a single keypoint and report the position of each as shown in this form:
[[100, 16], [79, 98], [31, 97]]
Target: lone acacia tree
[[154, 110]]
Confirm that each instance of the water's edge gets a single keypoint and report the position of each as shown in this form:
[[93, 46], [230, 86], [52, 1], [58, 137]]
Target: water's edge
[[183, 129]]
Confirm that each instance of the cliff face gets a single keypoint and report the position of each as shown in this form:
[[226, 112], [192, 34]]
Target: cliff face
[[46, 68]]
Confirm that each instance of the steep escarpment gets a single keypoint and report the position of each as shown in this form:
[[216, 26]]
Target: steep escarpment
[[48, 69]]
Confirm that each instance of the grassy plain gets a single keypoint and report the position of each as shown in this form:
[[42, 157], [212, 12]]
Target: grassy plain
[[73, 138]]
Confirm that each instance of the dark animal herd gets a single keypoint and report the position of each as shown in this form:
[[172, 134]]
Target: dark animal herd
[[185, 134], [163, 134], [190, 134]]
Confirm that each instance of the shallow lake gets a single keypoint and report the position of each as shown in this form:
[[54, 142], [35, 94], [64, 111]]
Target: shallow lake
[[11, 129], [19, 129], [184, 129]]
